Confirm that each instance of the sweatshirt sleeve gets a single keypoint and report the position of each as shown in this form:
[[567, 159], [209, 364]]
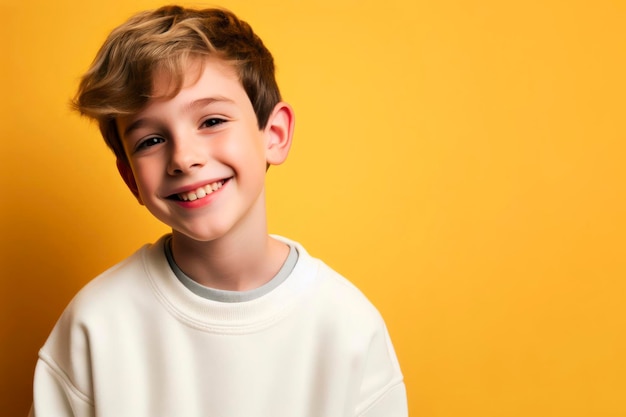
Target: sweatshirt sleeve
[[391, 404], [383, 384], [54, 395], [62, 383]]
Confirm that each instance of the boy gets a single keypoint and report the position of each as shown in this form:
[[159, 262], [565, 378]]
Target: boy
[[217, 318]]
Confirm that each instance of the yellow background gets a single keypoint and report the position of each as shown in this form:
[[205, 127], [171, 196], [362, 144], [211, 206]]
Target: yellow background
[[462, 162]]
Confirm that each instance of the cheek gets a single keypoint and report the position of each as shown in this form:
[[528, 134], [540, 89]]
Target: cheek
[[247, 153], [145, 178]]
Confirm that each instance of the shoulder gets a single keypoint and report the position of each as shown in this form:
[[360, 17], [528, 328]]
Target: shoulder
[[348, 328], [334, 297], [116, 281], [94, 314], [113, 290], [346, 305]]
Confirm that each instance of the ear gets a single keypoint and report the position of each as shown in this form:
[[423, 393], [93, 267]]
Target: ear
[[279, 133], [127, 175]]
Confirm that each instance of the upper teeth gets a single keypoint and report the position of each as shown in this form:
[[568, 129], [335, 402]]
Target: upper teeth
[[201, 192]]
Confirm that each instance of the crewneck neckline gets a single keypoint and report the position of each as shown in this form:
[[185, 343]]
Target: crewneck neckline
[[227, 296], [224, 317]]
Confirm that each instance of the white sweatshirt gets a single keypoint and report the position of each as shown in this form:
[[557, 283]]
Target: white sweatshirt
[[136, 342]]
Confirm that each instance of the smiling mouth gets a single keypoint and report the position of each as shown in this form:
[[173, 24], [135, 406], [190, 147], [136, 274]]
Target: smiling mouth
[[200, 192]]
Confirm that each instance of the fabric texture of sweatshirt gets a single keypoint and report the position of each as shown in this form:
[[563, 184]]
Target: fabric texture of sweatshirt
[[136, 342]]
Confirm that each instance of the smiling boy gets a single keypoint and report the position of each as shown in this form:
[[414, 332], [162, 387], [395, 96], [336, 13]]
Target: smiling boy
[[197, 161], [217, 318]]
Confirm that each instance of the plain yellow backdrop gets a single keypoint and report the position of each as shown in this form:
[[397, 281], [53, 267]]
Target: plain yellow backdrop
[[462, 162]]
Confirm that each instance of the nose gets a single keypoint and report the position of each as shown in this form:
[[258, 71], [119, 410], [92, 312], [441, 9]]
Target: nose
[[185, 156]]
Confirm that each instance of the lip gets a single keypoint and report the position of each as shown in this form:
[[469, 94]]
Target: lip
[[200, 202], [195, 186]]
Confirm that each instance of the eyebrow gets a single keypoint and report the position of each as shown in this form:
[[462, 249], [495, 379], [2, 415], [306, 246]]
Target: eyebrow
[[202, 102], [199, 103]]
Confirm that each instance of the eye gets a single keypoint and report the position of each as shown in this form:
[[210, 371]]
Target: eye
[[149, 142], [212, 122]]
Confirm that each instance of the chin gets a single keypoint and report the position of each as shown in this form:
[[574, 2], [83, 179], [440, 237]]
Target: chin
[[201, 236]]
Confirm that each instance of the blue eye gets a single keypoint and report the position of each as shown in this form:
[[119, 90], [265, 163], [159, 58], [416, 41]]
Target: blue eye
[[151, 141]]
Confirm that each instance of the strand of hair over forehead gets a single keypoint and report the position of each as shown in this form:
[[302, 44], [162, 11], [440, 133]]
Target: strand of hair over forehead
[[120, 78]]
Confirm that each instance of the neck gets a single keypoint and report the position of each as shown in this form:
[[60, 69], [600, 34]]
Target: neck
[[234, 263]]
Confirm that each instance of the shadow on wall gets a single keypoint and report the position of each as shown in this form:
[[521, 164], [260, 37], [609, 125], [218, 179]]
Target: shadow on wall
[[38, 281], [51, 248]]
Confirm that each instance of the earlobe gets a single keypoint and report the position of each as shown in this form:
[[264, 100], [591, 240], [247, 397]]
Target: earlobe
[[279, 133], [127, 175]]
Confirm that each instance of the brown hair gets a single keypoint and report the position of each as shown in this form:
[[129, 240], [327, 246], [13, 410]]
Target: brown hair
[[120, 79]]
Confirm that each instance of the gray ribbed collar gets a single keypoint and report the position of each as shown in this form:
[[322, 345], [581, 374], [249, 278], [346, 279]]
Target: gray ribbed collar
[[232, 296]]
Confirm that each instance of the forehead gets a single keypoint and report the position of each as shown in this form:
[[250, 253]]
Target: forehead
[[208, 71], [207, 82]]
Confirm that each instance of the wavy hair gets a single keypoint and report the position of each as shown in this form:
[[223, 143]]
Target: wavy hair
[[120, 79]]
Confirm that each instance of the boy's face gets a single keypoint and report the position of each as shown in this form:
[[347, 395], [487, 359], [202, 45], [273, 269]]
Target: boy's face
[[198, 160]]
